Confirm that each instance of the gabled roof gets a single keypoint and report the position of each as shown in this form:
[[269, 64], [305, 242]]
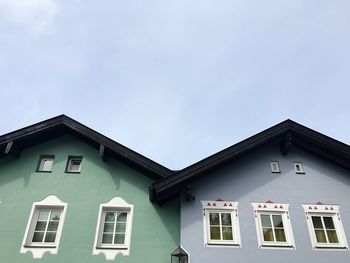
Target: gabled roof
[[14, 142], [287, 133]]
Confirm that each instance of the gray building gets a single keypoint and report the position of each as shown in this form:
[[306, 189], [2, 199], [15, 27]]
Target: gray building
[[282, 195]]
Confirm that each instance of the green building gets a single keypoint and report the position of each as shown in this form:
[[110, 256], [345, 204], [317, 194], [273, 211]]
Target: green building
[[70, 194]]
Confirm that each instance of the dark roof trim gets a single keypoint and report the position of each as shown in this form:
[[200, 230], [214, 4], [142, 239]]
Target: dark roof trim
[[43, 131], [288, 133]]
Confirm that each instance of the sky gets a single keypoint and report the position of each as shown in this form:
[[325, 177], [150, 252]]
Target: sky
[[176, 81]]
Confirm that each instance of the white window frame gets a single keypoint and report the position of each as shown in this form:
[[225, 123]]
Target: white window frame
[[111, 251], [301, 166], [71, 159], [225, 207], [274, 209], [274, 164], [37, 249], [44, 158], [329, 211]]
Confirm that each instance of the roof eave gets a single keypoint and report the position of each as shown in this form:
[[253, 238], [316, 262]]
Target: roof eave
[[306, 138], [62, 124]]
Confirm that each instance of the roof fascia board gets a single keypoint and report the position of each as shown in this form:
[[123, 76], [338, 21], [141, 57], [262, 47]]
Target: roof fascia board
[[170, 186], [224, 155], [82, 130], [43, 125], [324, 140], [117, 147]]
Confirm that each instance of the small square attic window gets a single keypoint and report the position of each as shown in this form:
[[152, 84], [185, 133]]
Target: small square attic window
[[45, 163], [74, 164], [298, 168], [275, 168]]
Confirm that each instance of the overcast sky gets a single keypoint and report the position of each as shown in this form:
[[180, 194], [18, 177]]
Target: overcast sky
[[176, 80]]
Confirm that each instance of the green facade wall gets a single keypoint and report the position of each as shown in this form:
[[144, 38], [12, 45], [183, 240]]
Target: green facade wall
[[155, 230]]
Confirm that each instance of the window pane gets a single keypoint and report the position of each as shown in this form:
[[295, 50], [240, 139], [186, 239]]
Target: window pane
[[46, 164], [277, 221], [280, 235], [53, 225], [38, 237], [55, 215], [226, 219], [108, 227], [50, 237], [320, 236], [120, 228], [316, 220], [265, 220], [215, 232], [121, 217], [227, 233], [268, 234], [43, 215], [214, 219], [332, 236], [114, 227], [107, 238], [75, 165], [328, 222], [119, 239], [110, 217], [40, 226]]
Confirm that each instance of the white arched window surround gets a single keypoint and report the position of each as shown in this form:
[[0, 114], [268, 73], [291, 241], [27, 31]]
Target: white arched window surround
[[113, 230], [44, 227]]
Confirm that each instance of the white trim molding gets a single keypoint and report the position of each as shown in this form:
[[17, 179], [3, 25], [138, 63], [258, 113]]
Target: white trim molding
[[326, 221], [221, 211], [44, 227], [118, 240], [273, 225]]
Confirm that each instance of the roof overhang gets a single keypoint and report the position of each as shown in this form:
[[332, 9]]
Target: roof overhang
[[287, 133], [14, 142]]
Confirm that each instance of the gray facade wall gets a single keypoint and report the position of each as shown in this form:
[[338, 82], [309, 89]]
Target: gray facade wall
[[248, 180]]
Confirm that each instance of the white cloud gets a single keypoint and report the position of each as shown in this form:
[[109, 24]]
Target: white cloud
[[38, 15]]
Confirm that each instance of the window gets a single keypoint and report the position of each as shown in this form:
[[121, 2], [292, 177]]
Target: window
[[298, 168], [74, 164], [45, 163], [273, 226], [220, 221], [275, 168], [325, 226], [114, 227], [44, 227], [113, 231]]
